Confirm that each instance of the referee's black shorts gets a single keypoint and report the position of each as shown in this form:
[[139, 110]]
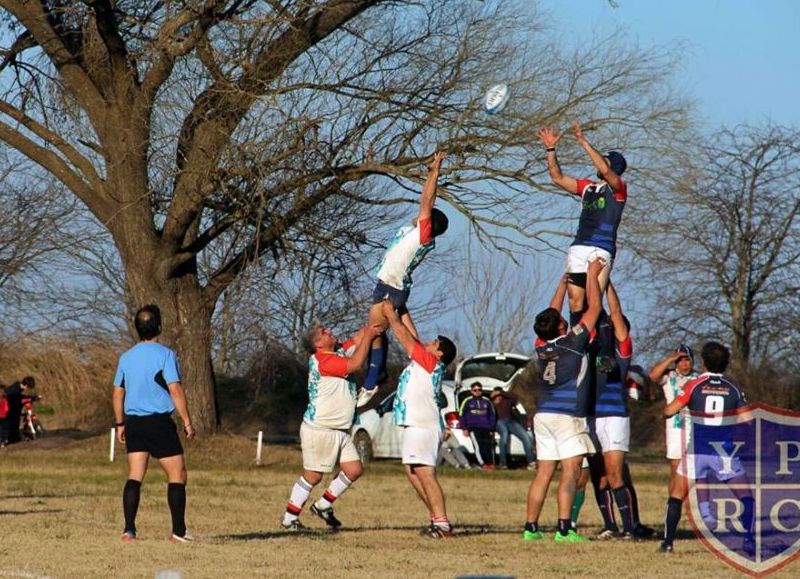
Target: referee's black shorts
[[154, 433]]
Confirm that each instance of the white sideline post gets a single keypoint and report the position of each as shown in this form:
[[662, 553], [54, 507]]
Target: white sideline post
[[112, 445], [258, 448]]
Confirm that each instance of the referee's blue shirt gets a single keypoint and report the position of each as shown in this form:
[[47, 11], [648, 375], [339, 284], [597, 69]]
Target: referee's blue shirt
[[145, 371]]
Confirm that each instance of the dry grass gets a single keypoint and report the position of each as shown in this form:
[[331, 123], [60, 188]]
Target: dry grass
[[72, 377], [60, 516]]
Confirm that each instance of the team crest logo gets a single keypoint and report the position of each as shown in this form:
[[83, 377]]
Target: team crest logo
[[744, 486]]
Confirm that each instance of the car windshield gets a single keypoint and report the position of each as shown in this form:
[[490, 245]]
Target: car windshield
[[499, 369]]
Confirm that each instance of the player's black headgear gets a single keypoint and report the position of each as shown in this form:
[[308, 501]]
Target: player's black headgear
[[617, 162], [448, 350], [686, 350], [439, 222]]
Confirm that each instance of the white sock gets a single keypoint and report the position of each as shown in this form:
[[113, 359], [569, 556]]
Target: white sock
[[338, 485], [300, 491]]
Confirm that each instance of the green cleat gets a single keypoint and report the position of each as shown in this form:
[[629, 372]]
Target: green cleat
[[570, 537], [532, 535]]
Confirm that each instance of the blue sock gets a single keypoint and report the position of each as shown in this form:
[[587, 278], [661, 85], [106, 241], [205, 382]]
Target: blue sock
[[574, 318], [377, 360]]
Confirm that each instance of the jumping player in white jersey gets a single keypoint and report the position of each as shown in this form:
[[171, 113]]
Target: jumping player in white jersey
[[405, 252], [325, 431], [416, 409]]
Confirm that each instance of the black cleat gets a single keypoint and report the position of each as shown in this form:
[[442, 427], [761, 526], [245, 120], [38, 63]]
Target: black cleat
[[665, 547], [643, 532], [327, 516]]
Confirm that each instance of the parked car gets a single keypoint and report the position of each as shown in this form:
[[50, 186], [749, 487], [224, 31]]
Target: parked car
[[375, 436]]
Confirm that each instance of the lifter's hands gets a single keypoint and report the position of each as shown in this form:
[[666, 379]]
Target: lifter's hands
[[595, 267], [388, 310]]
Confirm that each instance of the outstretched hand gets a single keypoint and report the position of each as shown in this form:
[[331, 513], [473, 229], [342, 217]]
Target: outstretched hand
[[548, 136], [579, 136], [436, 162]]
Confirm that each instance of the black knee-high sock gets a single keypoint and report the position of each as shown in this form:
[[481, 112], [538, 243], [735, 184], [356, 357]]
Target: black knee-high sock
[[176, 498], [623, 498], [626, 477], [674, 507], [130, 503], [605, 502]]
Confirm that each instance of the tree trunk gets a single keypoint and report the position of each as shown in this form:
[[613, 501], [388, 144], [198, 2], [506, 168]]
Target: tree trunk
[[186, 325]]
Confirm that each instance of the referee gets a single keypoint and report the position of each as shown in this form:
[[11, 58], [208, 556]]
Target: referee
[[147, 390]]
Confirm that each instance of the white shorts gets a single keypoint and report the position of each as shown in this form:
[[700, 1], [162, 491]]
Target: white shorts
[[613, 432], [324, 448], [579, 256], [560, 436], [698, 466], [674, 438], [421, 445]]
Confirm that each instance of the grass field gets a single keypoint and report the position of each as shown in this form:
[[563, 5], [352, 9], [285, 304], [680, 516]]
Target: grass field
[[61, 516]]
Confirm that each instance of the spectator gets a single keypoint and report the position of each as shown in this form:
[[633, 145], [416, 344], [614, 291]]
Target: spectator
[[504, 403], [14, 398], [3, 416], [478, 420], [451, 452]]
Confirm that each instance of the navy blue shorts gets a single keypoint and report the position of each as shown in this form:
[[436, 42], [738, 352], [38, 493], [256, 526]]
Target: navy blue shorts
[[155, 434], [396, 296]]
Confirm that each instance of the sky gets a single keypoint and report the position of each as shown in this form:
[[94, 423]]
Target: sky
[[742, 61], [740, 64]]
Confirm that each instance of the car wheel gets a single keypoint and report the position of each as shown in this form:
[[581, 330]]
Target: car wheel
[[363, 445]]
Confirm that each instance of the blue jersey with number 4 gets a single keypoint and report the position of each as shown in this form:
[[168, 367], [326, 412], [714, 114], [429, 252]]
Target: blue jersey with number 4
[[563, 365]]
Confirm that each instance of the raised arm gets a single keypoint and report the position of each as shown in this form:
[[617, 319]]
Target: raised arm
[[428, 198], [658, 371], [615, 313], [593, 296], [598, 160], [561, 290], [549, 137], [401, 332]]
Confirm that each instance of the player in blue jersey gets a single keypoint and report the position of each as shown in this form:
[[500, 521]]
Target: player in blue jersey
[[147, 390], [405, 252], [610, 425], [559, 425], [602, 204], [712, 395]]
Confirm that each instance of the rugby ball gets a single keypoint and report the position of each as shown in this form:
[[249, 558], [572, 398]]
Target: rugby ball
[[497, 98]]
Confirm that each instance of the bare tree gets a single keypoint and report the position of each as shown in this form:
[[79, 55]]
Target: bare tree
[[498, 297], [725, 243], [205, 135]]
